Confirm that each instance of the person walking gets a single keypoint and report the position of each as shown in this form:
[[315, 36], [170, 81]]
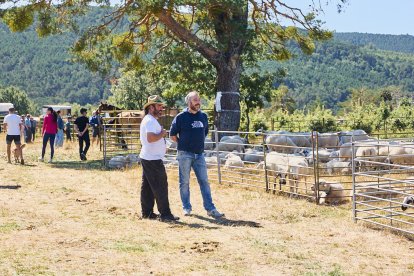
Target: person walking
[[59, 135], [68, 130], [95, 122], [28, 128], [81, 128], [49, 131], [33, 125], [13, 126], [154, 185], [189, 129]]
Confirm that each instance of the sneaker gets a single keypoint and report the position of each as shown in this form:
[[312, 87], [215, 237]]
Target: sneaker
[[83, 157], [22, 162], [215, 214], [169, 217], [150, 216], [50, 160], [187, 212], [40, 159]]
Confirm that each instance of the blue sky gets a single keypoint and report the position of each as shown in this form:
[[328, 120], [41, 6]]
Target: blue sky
[[368, 16]]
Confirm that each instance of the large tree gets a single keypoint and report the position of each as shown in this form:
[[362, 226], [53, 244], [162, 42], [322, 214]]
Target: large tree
[[219, 30]]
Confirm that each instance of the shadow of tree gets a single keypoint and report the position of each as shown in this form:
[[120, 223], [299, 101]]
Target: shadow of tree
[[230, 222], [10, 187]]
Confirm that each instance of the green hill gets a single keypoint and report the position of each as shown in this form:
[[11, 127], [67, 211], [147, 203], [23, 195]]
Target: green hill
[[42, 67], [328, 75]]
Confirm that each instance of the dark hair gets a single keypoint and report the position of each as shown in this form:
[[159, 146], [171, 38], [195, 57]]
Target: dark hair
[[58, 112], [83, 110], [146, 110], [11, 109], [54, 114]]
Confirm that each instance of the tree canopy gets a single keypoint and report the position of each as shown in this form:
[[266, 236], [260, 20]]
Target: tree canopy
[[220, 31]]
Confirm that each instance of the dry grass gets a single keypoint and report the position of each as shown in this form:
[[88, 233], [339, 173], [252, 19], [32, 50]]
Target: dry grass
[[75, 218]]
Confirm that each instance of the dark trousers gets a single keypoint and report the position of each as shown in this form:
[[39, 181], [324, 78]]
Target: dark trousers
[[68, 135], [87, 140], [51, 139], [28, 135], [154, 188], [33, 133]]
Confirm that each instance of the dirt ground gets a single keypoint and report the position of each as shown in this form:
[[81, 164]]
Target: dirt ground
[[75, 218]]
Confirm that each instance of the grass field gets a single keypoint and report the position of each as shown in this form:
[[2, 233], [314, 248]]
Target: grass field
[[73, 218]]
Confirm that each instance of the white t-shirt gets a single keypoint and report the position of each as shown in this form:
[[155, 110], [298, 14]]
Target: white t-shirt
[[155, 150], [13, 122]]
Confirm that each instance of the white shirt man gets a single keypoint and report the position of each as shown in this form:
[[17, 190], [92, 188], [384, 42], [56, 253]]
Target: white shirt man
[[154, 177], [13, 126]]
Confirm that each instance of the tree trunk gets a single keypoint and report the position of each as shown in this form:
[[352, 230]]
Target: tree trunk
[[228, 83]]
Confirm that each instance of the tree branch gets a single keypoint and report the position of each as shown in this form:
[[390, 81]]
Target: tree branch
[[210, 53]]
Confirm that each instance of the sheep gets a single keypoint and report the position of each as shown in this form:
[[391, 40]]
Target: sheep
[[407, 202], [117, 162], [208, 144], [345, 152], [277, 166], [211, 161], [366, 153], [231, 143], [399, 155], [253, 156], [335, 167], [328, 140], [233, 161], [355, 135], [281, 144], [330, 193], [298, 169]]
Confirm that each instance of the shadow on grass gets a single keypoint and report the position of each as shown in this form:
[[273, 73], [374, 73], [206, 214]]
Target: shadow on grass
[[80, 165], [229, 222], [10, 187], [181, 224]]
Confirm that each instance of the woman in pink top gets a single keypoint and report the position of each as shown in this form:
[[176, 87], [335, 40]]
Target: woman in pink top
[[49, 131]]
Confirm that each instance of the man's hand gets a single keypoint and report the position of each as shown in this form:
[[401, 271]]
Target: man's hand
[[163, 133]]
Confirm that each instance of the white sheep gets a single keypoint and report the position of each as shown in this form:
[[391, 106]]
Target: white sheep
[[330, 193], [281, 144], [338, 167], [211, 161], [253, 156], [366, 154], [298, 169], [231, 143], [233, 161], [117, 162], [407, 202]]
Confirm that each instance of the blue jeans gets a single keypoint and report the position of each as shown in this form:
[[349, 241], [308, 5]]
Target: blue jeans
[[186, 161]]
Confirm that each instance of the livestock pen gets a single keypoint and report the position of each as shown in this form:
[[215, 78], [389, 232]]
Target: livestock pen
[[383, 187]]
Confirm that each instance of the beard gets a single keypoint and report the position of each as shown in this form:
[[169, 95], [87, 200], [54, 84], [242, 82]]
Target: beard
[[195, 107], [157, 113]]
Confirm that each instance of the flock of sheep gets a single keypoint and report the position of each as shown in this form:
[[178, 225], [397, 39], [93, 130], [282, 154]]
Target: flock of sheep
[[290, 157]]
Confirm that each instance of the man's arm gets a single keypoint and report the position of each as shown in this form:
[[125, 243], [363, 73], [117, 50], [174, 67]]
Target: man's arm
[[152, 137], [174, 138], [75, 127], [5, 127]]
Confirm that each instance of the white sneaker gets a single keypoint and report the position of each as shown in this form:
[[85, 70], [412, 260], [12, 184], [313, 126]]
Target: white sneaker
[[215, 214], [187, 212], [50, 160], [40, 159]]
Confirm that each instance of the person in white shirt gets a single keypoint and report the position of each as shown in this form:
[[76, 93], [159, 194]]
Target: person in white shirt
[[154, 177], [13, 127]]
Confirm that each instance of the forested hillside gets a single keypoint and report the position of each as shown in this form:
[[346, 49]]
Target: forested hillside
[[328, 75], [397, 43], [43, 68]]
